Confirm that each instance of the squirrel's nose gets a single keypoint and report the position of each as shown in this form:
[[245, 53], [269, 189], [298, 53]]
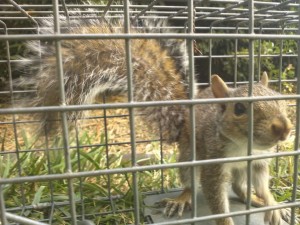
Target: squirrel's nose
[[281, 127]]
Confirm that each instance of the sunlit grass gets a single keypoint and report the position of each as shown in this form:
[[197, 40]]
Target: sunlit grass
[[91, 193]]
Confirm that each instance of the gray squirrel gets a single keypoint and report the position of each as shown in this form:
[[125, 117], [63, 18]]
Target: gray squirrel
[[222, 131], [97, 67]]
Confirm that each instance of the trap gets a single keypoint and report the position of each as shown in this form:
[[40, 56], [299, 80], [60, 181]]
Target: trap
[[112, 168]]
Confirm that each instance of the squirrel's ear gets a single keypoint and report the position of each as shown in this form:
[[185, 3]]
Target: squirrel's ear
[[218, 87], [264, 80]]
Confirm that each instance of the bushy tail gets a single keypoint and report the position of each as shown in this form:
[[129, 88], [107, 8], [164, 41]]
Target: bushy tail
[[97, 67]]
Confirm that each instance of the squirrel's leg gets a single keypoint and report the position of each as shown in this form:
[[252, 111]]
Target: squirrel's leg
[[239, 186], [178, 204], [261, 186], [214, 185]]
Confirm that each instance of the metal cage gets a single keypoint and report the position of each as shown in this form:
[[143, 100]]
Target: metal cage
[[85, 178]]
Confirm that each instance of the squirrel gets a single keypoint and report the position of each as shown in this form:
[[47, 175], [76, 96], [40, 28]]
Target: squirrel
[[96, 67], [222, 131]]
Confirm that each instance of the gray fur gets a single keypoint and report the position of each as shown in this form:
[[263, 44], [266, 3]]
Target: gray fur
[[222, 134]]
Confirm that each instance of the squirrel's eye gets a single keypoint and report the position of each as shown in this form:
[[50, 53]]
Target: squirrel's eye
[[223, 107], [239, 109]]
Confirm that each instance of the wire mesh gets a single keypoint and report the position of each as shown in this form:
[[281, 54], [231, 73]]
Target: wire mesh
[[101, 172]]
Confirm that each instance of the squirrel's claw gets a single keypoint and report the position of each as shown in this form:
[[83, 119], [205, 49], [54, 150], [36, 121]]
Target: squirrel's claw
[[286, 216], [174, 206], [177, 204], [171, 207]]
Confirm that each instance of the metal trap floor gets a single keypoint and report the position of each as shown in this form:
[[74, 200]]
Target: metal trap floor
[[155, 215]]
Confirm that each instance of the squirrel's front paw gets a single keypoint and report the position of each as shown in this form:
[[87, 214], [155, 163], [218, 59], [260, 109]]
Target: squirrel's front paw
[[286, 216], [276, 216], [273, 217], [177, 204]]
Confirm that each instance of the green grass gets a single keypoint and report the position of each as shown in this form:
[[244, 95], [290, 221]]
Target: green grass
[[282, 171], [91, 191]]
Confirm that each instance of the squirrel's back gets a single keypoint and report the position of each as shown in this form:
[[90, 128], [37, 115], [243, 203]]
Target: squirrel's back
[[97, 67]]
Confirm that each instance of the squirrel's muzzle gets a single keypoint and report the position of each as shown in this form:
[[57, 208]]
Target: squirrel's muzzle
[[281, 128]]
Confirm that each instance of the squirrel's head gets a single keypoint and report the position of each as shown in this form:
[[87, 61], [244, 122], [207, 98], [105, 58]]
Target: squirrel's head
[[270, 121]]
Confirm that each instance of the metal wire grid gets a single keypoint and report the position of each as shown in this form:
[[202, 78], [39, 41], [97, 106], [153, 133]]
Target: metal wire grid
[[251, 20]]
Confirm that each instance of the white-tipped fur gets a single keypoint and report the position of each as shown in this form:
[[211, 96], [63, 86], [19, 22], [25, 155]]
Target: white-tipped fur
[[94, 68]]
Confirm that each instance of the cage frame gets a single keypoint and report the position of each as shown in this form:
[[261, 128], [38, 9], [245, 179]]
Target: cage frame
[[219, 15]]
